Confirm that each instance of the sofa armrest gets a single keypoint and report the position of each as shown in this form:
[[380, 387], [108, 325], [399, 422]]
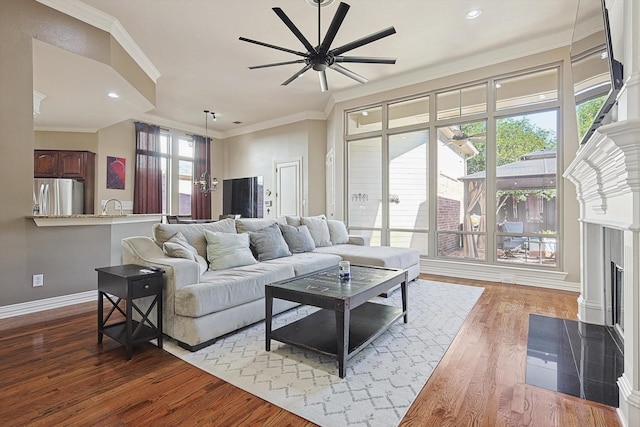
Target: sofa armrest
[[179, 272], [359, 240]]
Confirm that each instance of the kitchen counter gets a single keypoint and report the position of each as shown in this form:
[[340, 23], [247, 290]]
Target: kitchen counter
[[75, 220]]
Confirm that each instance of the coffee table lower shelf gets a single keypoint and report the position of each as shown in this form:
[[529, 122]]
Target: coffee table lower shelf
[[317, 332]]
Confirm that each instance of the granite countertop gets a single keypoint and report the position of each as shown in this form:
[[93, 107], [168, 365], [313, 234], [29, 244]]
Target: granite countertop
[[91, 219]]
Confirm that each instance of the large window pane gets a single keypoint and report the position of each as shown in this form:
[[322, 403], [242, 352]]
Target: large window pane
[[462, 102], [365, 183], [362, 121], [414, 239], [462, 190], [408, 189], [527, 89], [411, 112], [526, 182], [185, 185], [185, 148]]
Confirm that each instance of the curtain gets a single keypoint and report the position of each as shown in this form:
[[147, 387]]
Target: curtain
[[201, 202], [147, 191]]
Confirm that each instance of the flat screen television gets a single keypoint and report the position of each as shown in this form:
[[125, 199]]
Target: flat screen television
[[243, 196], [597, 76]]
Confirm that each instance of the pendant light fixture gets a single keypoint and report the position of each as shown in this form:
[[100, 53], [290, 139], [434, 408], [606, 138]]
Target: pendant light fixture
[[205, 183]]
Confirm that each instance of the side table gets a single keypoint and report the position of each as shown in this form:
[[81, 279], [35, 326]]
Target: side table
[[129, 282]]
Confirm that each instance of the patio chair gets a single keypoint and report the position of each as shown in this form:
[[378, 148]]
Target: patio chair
[[511, 243]]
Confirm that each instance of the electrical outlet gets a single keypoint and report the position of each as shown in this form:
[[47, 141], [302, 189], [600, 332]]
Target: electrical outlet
[[38, 280]]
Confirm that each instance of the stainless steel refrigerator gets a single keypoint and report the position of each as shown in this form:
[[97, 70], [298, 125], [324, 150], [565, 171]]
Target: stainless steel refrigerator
[[54, 196]]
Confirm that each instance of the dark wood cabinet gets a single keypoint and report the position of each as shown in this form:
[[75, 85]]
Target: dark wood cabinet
[[45, 164], [68, 164]]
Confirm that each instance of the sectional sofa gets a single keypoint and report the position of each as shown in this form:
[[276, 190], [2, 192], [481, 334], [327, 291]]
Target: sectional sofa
[[215, 273]]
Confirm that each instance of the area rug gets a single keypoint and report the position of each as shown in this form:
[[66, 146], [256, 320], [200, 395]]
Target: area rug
[[382, 380]]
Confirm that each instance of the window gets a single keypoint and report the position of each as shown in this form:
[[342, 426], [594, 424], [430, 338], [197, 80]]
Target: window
[[177, 172], [477, 146], [462, 187]]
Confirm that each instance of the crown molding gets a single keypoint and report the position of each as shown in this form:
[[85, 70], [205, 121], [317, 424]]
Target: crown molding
[[103, 21], [467, 63], [281, 121]]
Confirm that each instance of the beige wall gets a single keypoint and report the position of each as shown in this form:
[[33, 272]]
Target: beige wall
[[256, 153], [67, 256], [115, 141]]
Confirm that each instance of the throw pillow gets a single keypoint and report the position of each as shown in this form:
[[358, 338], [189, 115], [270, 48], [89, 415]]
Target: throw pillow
[[318, 229], [298, 238], [337, 232], [227, 250], [244, 225], [179, 239], [268, 243], [176, 250]]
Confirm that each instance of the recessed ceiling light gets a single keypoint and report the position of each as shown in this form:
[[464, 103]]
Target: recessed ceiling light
[[498, 85], [604, 55], [365, 113], [473, 14], [542, 96], [113, 95]]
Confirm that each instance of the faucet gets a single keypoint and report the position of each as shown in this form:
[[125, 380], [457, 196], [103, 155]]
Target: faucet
[[104, 208]]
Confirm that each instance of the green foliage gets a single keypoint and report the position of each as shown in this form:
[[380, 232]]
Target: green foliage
[[514, 138], [586, 112]]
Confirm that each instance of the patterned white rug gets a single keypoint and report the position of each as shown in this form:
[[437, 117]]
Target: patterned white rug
[[382, 380]]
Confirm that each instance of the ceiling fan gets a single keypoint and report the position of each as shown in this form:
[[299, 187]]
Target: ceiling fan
[[321, 56]]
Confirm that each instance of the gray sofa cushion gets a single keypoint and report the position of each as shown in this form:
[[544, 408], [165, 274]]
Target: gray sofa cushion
[[295, 220], [338, 232], [298, 238], [227, 250], [381, 256], [219, 290], [307, 262], [268, 243], [193, 233], [244, 225], [319, 230]]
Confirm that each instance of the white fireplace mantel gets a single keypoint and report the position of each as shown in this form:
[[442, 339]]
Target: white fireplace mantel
[[607, 167]]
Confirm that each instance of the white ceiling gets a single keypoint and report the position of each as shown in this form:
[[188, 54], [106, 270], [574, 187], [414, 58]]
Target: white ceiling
[[194, 46]]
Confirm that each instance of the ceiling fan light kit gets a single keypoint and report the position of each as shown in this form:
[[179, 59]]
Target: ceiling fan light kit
[[321, 57]]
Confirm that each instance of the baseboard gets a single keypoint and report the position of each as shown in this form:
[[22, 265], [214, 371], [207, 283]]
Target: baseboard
[[551, 279], [46, 304]]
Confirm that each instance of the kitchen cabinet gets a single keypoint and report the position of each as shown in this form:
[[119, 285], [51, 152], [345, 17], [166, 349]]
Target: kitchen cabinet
[[68, 164]]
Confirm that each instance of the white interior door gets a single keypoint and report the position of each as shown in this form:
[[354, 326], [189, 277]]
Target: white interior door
[[288, 188]]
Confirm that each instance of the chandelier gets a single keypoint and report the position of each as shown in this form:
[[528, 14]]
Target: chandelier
[[206, 184]]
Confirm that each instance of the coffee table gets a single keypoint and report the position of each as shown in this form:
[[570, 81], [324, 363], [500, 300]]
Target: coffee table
[[347, 321]]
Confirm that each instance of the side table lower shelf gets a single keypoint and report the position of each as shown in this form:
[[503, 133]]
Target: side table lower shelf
[[118, 332]]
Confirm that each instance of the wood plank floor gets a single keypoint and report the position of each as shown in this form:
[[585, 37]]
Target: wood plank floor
[[53, 372]]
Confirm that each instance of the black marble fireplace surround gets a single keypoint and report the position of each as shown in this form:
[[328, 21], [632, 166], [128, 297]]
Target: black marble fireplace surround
[[575, 358]]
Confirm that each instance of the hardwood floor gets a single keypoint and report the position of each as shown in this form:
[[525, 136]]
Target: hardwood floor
[[53, 372]]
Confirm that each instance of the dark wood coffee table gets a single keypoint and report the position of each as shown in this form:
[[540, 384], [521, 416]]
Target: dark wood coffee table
[[347, 321]]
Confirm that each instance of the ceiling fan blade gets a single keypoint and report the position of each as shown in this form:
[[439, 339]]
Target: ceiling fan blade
[[364, 40], [348, 73], [294, 29], [244, 39], [322, 75], [296, 75], [365, 59], [297, 61], [343, 8]]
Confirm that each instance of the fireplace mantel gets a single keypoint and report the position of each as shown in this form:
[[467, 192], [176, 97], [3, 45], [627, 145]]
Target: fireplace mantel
[[607, 167]]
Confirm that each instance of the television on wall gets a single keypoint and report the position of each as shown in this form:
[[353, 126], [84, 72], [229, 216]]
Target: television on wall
[[597, 76], [243, 196]]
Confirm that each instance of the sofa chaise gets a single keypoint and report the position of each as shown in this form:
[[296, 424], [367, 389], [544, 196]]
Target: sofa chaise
[[215, 273]]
